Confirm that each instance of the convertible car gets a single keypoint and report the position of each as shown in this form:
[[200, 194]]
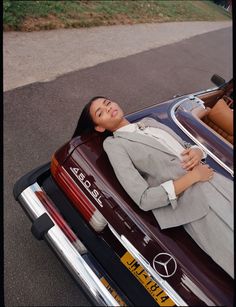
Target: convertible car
[[115, 251]]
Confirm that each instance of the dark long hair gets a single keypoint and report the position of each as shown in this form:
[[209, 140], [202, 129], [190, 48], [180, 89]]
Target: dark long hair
[[85, 123]]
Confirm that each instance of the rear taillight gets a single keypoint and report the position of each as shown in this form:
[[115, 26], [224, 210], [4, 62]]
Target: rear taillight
[[91, 214], [54, 166]]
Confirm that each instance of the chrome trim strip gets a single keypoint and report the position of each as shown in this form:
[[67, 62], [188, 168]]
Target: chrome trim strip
[[66, 251], [139, 257], [187, 282], [172, 113]]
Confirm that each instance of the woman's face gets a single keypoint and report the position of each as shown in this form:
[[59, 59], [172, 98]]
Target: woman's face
[[106, 114]]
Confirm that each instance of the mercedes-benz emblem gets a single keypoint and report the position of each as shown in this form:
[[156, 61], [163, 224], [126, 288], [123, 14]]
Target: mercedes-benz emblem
[[164, 264]]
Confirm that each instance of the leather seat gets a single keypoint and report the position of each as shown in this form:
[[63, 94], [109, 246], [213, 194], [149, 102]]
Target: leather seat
[[220, 118]]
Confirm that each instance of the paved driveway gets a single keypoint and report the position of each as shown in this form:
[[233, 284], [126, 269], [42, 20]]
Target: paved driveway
[[45, 55], [40, 117]]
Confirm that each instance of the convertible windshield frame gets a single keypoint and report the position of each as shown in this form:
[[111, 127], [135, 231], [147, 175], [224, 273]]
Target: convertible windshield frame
[[193, 138]]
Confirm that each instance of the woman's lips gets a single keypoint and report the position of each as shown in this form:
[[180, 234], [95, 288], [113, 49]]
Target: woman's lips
[[113, 113]]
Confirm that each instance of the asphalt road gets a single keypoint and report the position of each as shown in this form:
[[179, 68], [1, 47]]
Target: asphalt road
[[40, 117], [44, 55]]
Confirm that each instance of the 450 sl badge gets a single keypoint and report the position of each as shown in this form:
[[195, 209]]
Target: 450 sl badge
[[87, 184]]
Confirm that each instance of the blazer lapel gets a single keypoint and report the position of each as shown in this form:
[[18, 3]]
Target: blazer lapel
[[149, 141], [150, 122]]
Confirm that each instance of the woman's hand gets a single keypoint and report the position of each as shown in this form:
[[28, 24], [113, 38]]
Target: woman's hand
[[202, 172], [191, 158]]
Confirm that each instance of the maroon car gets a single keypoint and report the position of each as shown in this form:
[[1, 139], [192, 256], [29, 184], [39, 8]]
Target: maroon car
[[114, 250]]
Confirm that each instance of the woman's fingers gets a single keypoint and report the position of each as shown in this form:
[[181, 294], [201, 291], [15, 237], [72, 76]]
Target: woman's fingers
[[190, 163]]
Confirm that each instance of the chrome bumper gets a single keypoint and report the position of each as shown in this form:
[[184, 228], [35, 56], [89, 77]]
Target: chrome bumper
[[69, 255]]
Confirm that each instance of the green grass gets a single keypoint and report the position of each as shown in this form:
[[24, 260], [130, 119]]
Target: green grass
[[38, 15]]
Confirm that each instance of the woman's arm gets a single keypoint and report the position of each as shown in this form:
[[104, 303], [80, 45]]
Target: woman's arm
[[201, 172], [146, 197]]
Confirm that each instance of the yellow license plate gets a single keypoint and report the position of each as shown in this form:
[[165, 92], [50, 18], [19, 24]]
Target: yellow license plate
[[113, 292], [149, 284]]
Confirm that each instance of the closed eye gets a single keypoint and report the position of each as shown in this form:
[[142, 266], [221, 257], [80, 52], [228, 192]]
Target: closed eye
[[99, 112]]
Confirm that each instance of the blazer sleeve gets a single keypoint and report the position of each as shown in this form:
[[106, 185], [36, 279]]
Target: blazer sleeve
[[146, 197]]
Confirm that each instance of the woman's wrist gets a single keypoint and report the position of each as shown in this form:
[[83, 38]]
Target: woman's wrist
[[186, 181], [194, 177]]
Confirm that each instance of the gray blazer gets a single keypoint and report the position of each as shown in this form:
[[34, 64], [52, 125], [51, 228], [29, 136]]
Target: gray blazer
[[141, 164]]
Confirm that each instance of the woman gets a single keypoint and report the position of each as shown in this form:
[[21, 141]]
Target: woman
[[164, 174]]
